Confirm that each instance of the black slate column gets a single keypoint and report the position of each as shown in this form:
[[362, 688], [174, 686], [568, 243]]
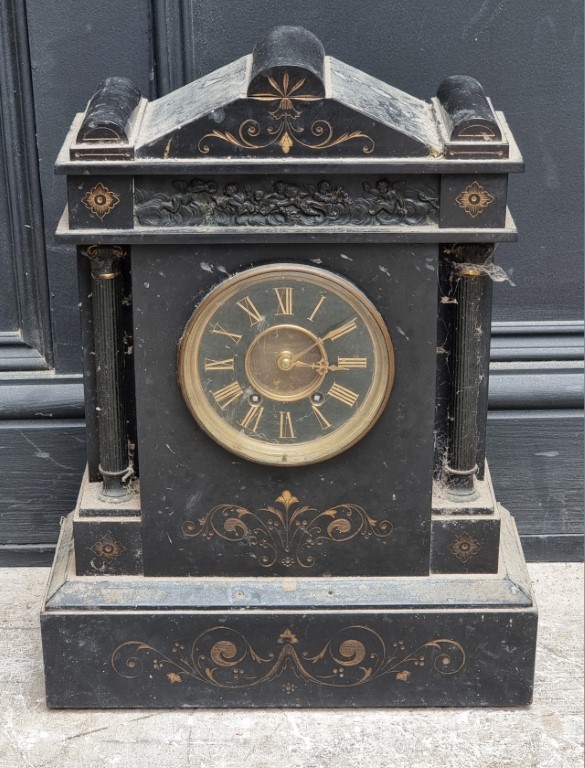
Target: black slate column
[[469, 271], [109, 366]]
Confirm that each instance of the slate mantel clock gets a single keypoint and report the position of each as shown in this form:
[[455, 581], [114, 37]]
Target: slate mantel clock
[[285, 274]]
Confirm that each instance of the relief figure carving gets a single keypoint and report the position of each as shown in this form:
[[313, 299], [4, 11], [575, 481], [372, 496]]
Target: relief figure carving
[[281, 203]]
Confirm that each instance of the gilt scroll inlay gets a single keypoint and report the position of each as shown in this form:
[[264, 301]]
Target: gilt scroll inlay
[[286, 531], [224, 658], [283, 124]]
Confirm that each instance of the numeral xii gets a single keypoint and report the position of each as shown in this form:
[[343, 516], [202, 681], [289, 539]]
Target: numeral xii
[[284, 297]]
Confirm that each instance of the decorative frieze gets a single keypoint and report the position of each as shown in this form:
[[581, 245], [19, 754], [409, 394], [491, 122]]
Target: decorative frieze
[[198, 202]]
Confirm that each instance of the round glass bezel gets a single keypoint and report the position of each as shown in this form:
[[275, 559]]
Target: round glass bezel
[[322, 446]]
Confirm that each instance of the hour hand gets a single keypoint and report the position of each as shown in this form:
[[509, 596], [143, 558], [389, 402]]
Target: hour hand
[[343, 364], [321, 366]]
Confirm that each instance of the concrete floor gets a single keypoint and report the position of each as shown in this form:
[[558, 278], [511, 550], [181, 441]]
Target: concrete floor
[[547, 735]]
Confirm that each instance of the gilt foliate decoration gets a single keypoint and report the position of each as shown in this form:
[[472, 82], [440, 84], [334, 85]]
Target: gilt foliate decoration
[[474, 199], [283, 125], [224, 658], [108, 549], [100, 200], [464, 547], [286, 531]]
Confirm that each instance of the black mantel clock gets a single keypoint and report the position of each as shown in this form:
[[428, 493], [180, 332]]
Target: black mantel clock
[[285, 275]]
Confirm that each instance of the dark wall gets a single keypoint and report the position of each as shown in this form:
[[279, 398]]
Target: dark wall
[[529, 57], [73, 47]]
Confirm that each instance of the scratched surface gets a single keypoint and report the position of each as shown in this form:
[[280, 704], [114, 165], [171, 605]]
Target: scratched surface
[[547, 735]]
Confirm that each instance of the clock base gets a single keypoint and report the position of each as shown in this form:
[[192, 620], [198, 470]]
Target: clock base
[[442, 640]]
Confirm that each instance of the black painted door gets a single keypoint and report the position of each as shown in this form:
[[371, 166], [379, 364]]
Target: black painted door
[[53, 56]]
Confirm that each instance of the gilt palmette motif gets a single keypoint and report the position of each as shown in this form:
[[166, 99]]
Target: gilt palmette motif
[[283, 125]]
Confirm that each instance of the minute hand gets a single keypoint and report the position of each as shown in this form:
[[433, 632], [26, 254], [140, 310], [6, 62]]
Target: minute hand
[[330, 336]]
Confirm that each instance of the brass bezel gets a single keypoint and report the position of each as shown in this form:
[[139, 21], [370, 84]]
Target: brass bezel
[[296, 454]]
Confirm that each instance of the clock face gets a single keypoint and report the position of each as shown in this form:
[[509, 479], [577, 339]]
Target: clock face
[[286, 364]]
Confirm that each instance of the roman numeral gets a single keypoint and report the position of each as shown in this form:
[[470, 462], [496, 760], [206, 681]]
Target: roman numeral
[[344, 395], [286, 426], [225, 396], [219, 365], [337, 333], [345, 363], [252, 418], [285, 301], [311, 317], [247, 305], [235, 337], [320, 418]]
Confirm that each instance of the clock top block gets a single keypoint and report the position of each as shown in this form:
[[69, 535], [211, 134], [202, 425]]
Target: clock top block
[[289, 111]]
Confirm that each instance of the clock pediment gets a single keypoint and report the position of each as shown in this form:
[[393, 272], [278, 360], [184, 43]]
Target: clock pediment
[[288, 99], [289, 102]]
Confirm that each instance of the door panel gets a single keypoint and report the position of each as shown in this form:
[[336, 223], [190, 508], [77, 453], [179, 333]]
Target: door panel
[[52, 55]]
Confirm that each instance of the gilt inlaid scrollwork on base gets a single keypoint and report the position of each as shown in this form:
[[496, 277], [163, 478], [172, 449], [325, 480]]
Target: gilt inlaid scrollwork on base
[[286, 531], [224, 658]]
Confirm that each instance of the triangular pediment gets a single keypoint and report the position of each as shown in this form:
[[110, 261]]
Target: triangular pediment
[[287, 100]]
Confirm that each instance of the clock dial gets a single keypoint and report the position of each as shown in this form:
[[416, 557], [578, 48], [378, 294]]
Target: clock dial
[[286, 364]]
